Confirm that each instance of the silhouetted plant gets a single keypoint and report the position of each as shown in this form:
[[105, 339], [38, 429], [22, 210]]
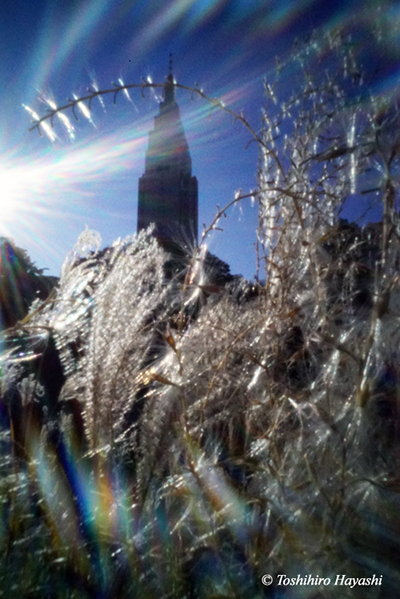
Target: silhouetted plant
[[21, 282]]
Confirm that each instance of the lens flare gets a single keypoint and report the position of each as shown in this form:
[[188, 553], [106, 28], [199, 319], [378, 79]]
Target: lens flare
[[84, 110], [61, 116], [36, 189], [44, 126], [96, 88]]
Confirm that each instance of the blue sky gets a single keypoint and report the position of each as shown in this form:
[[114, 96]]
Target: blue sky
[[52, 49]]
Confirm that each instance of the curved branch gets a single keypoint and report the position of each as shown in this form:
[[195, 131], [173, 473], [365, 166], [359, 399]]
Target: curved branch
[[196, 90], [89, 97], [215, 102]]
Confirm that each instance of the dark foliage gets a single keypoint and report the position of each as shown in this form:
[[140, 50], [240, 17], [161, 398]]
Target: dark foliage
[[21, 282]]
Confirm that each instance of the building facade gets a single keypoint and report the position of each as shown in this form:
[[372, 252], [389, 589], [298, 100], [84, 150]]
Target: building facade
[[168, 193]]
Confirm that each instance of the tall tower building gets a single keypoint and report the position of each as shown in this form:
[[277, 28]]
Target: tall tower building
[[168, 194]]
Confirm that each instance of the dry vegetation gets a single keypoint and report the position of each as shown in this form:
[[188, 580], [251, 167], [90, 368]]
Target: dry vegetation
[[209, 434]]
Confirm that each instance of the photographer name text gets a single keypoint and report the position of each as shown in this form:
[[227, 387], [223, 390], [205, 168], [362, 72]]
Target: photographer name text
[[339, 580]]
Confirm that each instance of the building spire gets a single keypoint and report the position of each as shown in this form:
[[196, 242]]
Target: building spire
[[169, 87], [168, 193]]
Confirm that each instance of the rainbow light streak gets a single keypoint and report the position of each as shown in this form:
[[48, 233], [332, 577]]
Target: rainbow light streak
[[282, 16], [58, 496], [204, 122], [224, 499], [80, 29], [59, 39], [161, 24], [202, 12], [81, 505]]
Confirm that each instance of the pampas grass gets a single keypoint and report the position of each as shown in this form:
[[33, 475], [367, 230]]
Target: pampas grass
[[229, 430]]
